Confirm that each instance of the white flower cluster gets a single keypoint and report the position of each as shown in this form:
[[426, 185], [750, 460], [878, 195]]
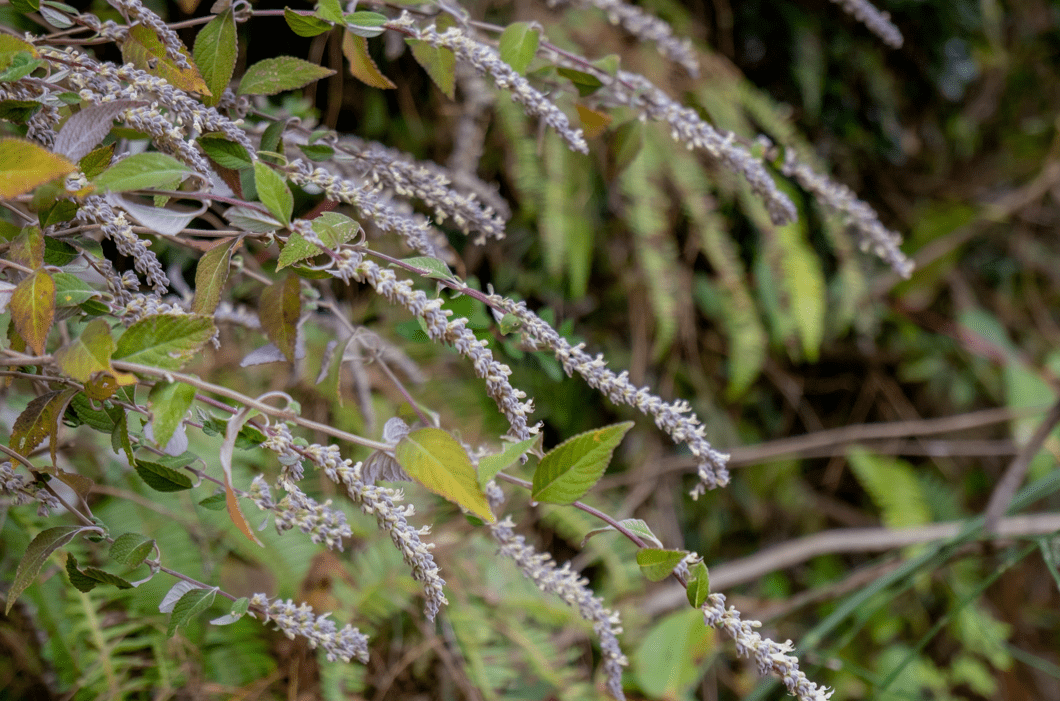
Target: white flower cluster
[[167, 137], [879, 23], [43, 125], [95, 210], [367, 198], [874, 235], [382, 503], [568, 585], [281, 442], [645, 27], [487, 61], [320, 522], [674, 418], [439, 328], [23, 491], [140, 306], [689, 128], [300, 621], [768, 655], [427, 182]]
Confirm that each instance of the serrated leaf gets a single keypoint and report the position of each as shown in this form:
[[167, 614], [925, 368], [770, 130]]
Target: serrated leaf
[[365, 24], [131, 549], [164, 341], [39, 420], [61, 211], [145, 50], [10, 46], [119, 438], [84, 130], [79, 483], [274, 192], [169, 402], [28, 247], [173, 595], [227, 154], [25, 5], [19, 66], [439, 62], [657, 564], [214, 502], [698, 585], [97, 419], [518, 45], [87, 579], [276, 75], [362, 67], [570, 469], [634, 525], [215, 54], [24, 165], [489, 466], [330, 10], [436, 460], [141, 172], [44, 544], [211, 274], [19, 111], [33, 309], [305, 25], [88, 353], [279, 308], [161, 478], [436, 268], [188, 606], [332, 228]]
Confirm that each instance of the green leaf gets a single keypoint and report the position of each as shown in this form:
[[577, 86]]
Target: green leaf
[[305, 25], [96, 161], [39, 420], [44, 544], [437, 461], [570, 469], [32, 308], [19, 111], [489, 466], [332, 228], [518, 44], [331, 11], [164, 341], [276, 75], [87, 579], [508, 323], [586, 83], [59, 253], [161, 478], [188, 606], [657, 564], [61, 211], [169, 402], [668, 661], [238, 610], [225, 153], [214, 502], [365, 24], [317, 152], [698, 585], [131, 549], [273, 192], [87, 354], [98, 419], [806, 287], [436, 269], [215, 52], [634, 525], [893, 486], [211, 274], [279, 308], [141, 172], [439, 62]]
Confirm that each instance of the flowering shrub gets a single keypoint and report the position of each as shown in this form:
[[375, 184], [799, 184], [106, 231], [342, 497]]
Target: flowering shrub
[[118, 177]]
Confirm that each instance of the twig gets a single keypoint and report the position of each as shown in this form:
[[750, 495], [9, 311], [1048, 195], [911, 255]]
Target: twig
[[1017, 470]]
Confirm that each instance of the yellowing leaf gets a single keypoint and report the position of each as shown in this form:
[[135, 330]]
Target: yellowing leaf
[[570, 469], [146, 51], [593, 122], [44, 544], [39, 420], [439, 62], [279, 308], [211, 274], [90, 353], [437, 461], [33, 309], [362, 67], [24, 165]]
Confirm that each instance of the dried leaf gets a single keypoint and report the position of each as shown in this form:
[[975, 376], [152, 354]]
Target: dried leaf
[[33, 309], [362, 67]]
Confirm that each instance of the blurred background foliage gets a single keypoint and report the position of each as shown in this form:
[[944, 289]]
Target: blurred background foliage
[[671, 268]]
